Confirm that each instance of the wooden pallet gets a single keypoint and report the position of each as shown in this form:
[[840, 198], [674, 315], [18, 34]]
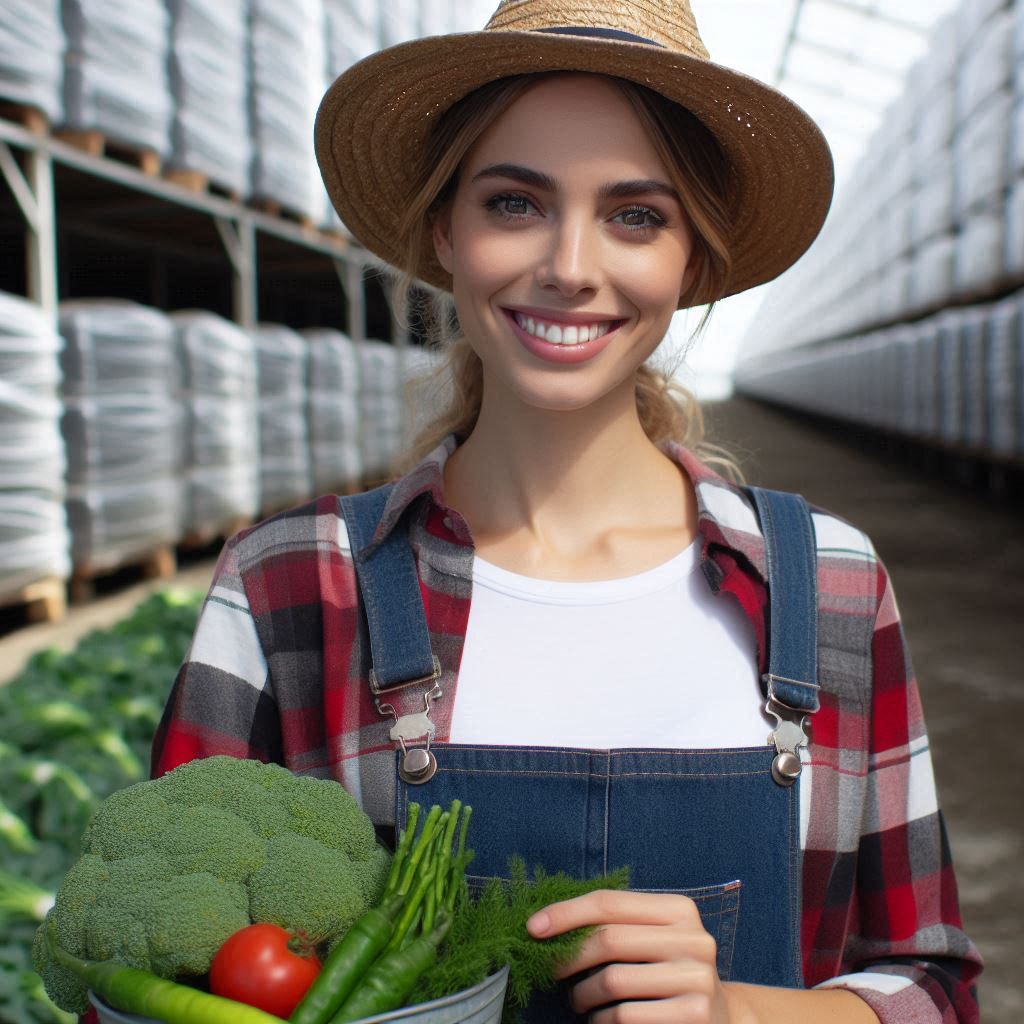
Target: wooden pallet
[[200, 183], [32, 119], [97, 144], [276, 209], [44, 600], [202, 538], [158, 563]]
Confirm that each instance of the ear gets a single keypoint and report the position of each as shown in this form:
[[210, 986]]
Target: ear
[[441, 227]]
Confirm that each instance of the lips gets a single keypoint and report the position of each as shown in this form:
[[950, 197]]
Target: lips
[[560, 351], [561, 333]]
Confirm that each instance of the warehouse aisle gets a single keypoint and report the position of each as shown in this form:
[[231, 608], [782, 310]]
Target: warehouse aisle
[[957, 564]]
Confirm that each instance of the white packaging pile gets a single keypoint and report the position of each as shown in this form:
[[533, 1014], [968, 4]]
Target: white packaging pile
[[115, 72], [282, 358], [381, 406], [220, 392], [122, 430], [32, 54], [286, 54], [956, 378], [34, 542], [352, 30], [333, 411], [209, 80]]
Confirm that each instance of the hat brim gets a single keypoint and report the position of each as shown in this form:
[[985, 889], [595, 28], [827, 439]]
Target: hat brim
[[375, 118]]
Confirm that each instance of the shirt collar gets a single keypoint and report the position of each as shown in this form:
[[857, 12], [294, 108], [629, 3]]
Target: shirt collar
[[726, 516]]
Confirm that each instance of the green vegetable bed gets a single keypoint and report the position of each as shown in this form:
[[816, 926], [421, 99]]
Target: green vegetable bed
[[75, 727]]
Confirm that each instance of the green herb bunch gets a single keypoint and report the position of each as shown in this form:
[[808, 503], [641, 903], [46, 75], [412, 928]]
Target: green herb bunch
[[490, 931]]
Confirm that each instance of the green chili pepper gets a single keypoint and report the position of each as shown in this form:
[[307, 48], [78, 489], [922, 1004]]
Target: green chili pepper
[[346, 965], [134, 991], [389, 981]]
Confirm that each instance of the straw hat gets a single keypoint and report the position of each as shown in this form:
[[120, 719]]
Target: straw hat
[[374, 119]]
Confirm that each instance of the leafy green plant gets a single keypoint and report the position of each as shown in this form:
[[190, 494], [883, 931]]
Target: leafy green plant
[[77, 725]]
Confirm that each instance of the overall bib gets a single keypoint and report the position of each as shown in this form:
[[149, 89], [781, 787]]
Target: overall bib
[[720, 826]]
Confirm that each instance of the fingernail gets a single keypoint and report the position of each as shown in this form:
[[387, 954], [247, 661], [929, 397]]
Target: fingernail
[[539, 923]]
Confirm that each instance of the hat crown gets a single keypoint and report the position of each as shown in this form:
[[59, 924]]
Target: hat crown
[[670, 24]]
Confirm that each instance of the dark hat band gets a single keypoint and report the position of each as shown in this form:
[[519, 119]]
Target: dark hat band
[[597, 33]]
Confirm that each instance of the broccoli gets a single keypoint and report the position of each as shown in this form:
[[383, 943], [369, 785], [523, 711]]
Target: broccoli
[[171, 867], [296, 886]]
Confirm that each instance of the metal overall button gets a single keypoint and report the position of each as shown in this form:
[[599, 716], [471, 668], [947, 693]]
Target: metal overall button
[[417, 764], [788, 737]]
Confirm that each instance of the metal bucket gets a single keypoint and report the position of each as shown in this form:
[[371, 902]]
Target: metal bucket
[[480, 1004]]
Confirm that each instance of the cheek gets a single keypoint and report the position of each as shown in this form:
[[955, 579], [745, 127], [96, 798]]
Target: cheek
[[653, 282], [484, 259]]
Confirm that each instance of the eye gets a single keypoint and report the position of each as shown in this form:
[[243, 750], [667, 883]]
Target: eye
[[509, 205], [640, 219]]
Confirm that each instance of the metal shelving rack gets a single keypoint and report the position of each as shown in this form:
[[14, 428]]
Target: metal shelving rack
[[55, 185]]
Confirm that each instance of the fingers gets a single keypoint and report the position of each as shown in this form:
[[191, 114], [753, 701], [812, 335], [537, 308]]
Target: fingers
[[606, 906], [664, 981], [638, 943]]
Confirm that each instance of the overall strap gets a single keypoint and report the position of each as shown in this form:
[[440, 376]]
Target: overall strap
[[791, 554], [390, 589]]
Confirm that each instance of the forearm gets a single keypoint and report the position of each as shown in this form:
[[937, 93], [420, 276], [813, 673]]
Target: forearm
[[762, 1004]]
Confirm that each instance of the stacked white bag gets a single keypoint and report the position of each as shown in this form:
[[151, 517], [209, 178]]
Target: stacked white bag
[[286, 52], [333, 411], [380, 405], [282, 357], [209, 83], [122, 430], [115, 73], [220, 395], [32, 54], [33, 527]]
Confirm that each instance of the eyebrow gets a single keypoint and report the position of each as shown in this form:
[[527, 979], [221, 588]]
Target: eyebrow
[[612, 190]]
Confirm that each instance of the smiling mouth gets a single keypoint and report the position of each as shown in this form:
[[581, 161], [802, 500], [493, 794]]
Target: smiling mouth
[[563, 334]]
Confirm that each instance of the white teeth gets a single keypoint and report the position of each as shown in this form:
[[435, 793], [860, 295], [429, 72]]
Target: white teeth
[[556, 335]]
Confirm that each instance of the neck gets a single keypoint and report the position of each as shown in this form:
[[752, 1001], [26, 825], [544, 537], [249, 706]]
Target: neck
[[550, 485]]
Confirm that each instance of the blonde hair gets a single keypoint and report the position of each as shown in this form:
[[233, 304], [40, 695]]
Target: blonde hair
[[700, 173]]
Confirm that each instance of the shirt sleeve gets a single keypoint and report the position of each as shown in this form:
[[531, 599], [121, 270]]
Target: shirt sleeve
[[222, 701], [907, 954]]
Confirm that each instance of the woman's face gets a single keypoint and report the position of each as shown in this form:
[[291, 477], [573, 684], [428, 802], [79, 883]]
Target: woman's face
[[564, 224]]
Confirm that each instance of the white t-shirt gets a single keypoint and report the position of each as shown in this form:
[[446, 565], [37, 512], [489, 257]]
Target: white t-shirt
[[651, 660]]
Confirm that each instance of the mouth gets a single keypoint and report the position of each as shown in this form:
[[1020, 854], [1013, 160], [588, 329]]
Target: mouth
[[562, 333]]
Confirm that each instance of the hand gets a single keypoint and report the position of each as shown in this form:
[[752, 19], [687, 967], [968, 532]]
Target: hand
[[659, 961]]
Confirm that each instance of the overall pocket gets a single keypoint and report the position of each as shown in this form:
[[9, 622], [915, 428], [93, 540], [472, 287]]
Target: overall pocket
[[719, 907]]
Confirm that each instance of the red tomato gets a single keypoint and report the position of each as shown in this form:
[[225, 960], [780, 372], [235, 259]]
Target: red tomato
[[264, 965]]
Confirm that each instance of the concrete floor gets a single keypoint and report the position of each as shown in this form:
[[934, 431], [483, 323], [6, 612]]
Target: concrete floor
[[956, 558]]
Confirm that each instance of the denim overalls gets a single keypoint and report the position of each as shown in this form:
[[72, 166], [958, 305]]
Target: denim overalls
[[721, 826]]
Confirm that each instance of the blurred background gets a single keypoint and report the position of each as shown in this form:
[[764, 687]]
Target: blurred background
[[190, 342]]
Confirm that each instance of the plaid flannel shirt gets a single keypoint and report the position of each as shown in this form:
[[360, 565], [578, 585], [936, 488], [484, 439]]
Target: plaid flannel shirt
[[278, 670]]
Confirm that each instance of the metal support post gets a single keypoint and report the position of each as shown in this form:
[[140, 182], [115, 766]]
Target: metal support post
[[239, 238], [350, 274], [33, 192]]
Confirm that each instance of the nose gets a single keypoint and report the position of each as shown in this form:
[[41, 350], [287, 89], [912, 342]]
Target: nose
[[571, 263]]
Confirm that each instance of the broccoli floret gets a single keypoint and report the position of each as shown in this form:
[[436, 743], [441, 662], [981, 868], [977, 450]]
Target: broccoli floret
[[297, 888], [173, 866], [322, 810], [64, 988]]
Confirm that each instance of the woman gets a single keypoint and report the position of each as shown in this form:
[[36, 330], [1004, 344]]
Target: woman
[[518, 620]]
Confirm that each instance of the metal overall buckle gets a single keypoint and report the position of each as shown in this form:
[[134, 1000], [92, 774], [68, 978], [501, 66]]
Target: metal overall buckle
[[791, 732], [417, 764]]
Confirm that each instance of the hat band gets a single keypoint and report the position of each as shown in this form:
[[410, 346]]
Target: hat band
[[598, 33]]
